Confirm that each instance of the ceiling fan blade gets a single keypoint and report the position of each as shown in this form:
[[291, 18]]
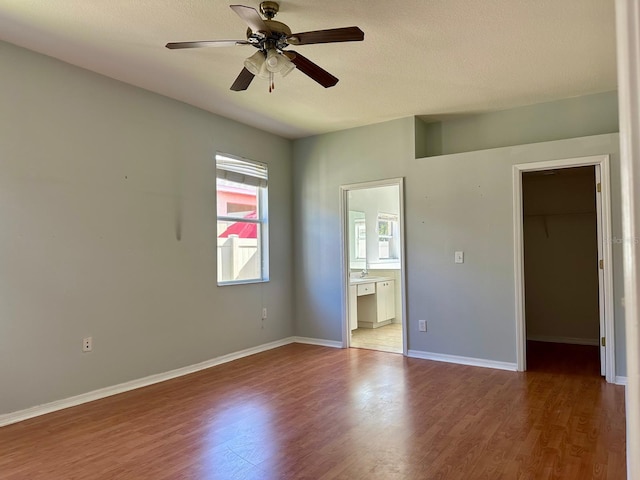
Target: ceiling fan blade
[[312, 70], [243, 81], [252, 18], [346, 34], [206, 43]]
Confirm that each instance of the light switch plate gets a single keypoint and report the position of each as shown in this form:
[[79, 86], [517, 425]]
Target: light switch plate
[[458, 257]]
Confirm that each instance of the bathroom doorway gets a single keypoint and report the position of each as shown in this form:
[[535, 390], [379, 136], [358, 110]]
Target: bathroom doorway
[[373, 265]]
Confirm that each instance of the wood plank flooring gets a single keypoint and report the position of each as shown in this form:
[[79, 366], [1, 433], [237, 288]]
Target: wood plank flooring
[[307, 412]]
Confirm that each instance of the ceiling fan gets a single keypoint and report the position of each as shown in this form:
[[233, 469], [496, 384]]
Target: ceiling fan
[[271, 38]]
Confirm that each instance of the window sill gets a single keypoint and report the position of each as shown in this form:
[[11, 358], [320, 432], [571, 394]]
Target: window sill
[[242, 282]]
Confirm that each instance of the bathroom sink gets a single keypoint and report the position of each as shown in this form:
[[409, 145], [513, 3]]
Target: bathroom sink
[[357, 280]]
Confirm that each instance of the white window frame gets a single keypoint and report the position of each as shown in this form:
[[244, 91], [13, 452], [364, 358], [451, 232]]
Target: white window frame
[[262, 220]]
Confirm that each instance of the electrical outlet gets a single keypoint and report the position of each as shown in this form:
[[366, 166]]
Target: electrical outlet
[[87, 344], [264, 313], [422, 325]]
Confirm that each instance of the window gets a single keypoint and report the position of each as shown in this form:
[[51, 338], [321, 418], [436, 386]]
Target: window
[[241, 197]]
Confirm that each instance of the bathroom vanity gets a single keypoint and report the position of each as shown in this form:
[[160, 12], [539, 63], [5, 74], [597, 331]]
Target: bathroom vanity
[[372, 302]]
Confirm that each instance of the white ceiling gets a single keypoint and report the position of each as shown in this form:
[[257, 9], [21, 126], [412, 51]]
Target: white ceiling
[[430, 58]]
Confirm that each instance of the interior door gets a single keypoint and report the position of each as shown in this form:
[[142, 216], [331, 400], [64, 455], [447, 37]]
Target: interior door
[[601, 268]]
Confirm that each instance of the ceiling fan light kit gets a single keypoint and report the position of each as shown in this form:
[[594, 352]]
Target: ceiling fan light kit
[[271, 38]]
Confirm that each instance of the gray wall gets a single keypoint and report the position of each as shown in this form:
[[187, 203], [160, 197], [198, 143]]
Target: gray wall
[[543, 122], [453, 202], [561, 256], [321, 164], [107, 207], [464, 202]]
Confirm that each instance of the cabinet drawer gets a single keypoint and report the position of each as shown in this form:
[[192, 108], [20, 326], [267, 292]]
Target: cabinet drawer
[[366, 289]]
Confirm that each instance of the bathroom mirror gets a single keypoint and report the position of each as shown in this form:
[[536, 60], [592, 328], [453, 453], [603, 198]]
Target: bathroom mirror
[[388, 236], [374, 228]]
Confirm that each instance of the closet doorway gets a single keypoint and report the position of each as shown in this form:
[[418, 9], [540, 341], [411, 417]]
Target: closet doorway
[[563, 266], [373, 266]]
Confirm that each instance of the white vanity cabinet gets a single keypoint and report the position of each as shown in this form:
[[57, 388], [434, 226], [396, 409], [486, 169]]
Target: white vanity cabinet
[[375, 303], [385, 300]]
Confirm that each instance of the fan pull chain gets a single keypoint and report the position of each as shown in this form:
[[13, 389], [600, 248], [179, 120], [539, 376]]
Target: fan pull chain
[[272, 85]]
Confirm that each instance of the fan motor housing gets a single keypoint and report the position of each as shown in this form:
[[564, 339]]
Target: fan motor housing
[[278, 28], [279, 34]]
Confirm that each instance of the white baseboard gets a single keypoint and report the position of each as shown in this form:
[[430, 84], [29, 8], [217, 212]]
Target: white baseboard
[[620, 380], [38, 410], [474, 362], [569, 340], [19, 416], [317, 341]]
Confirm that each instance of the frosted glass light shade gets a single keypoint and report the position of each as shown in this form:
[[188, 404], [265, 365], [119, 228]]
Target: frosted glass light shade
[[274, 62], [277, 62], [264, 73], [287, 66], [255, 62]]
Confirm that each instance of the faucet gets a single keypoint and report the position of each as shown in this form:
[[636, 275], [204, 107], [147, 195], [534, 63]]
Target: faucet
[[364, 273]]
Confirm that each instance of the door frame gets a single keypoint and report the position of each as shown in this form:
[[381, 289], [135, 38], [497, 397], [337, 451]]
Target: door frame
[[344, 250], [628, 46], [605, 248]]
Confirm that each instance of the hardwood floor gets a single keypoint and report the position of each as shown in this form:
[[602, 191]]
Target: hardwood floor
[[563, 358], [307, 412], [386, 339]]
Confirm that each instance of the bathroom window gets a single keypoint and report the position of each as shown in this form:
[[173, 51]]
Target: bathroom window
[[241, 198], [387, 236]]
